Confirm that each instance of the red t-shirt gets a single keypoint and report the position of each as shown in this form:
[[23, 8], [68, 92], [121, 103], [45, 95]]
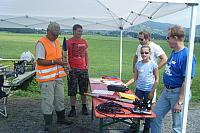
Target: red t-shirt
[[77, 53]]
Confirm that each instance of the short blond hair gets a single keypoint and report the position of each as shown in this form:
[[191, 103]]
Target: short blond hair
[[177, 31]]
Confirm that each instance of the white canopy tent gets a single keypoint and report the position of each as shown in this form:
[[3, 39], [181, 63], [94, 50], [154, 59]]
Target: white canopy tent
[[98, 15], [92, 14]]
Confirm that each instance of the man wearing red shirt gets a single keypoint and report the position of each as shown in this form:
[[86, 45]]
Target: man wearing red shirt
[[78, 69]]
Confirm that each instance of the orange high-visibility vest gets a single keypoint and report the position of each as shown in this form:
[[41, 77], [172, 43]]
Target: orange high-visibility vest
[[48, 73]]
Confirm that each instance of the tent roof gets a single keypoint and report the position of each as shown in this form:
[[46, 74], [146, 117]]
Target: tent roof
[[92, 14]]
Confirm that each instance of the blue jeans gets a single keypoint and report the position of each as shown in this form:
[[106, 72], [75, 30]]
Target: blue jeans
[[166, 102], [143, 95]]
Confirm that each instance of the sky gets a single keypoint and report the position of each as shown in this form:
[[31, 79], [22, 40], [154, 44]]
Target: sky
[[71, 9], [181, 18]]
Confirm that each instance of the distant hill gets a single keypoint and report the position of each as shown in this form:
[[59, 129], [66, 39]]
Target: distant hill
[[152, 27], [159, 30], [158, 26]]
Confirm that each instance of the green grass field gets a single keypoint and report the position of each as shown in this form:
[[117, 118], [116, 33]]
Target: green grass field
[[103, 55]]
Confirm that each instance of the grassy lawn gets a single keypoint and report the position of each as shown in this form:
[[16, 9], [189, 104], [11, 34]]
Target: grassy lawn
[[103, 57]]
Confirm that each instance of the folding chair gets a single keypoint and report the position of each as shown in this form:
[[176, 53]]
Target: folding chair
[[3, 110], [4, 91]]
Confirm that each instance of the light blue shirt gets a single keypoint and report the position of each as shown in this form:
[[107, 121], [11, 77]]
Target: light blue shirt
[[146, 76]]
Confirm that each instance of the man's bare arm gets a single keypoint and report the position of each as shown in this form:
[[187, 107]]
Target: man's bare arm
[[43, 62], [135, 58], [163, 60]]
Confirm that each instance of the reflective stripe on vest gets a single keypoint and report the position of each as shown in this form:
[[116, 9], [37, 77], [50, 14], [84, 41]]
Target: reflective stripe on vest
[[51, 76], [49, 69]]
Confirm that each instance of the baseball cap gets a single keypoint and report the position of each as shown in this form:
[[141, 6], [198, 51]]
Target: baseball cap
[[54, 28]]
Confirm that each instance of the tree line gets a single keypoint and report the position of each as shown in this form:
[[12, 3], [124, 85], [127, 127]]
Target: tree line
[[104, 33]]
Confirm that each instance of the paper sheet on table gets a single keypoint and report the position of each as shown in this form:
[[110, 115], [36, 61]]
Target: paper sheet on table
[[95, 81], [108, 82], [103, 92]]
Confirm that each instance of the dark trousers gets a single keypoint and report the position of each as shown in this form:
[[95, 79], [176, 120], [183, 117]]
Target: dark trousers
[[143, 95]]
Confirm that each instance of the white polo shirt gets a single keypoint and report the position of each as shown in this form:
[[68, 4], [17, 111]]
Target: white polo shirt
[[156, 51]]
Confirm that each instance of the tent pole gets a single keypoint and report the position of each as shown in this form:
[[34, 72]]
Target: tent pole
[[120, 65], [189, 66]]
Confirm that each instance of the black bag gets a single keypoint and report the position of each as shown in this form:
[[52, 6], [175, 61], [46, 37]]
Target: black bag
[[20, 67], [117, 88]]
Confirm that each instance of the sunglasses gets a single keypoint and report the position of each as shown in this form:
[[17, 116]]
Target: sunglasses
[[141, 39], [144, 53], [167, 38]]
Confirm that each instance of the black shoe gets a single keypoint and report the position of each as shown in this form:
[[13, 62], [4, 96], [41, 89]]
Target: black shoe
[[85, 111], [48, 124], [61, 118], [72, 113]]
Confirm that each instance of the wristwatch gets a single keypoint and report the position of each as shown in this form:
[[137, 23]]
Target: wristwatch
[[52, 62]]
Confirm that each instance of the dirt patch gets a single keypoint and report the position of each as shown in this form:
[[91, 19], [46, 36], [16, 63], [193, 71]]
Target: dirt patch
[[24, 116]]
